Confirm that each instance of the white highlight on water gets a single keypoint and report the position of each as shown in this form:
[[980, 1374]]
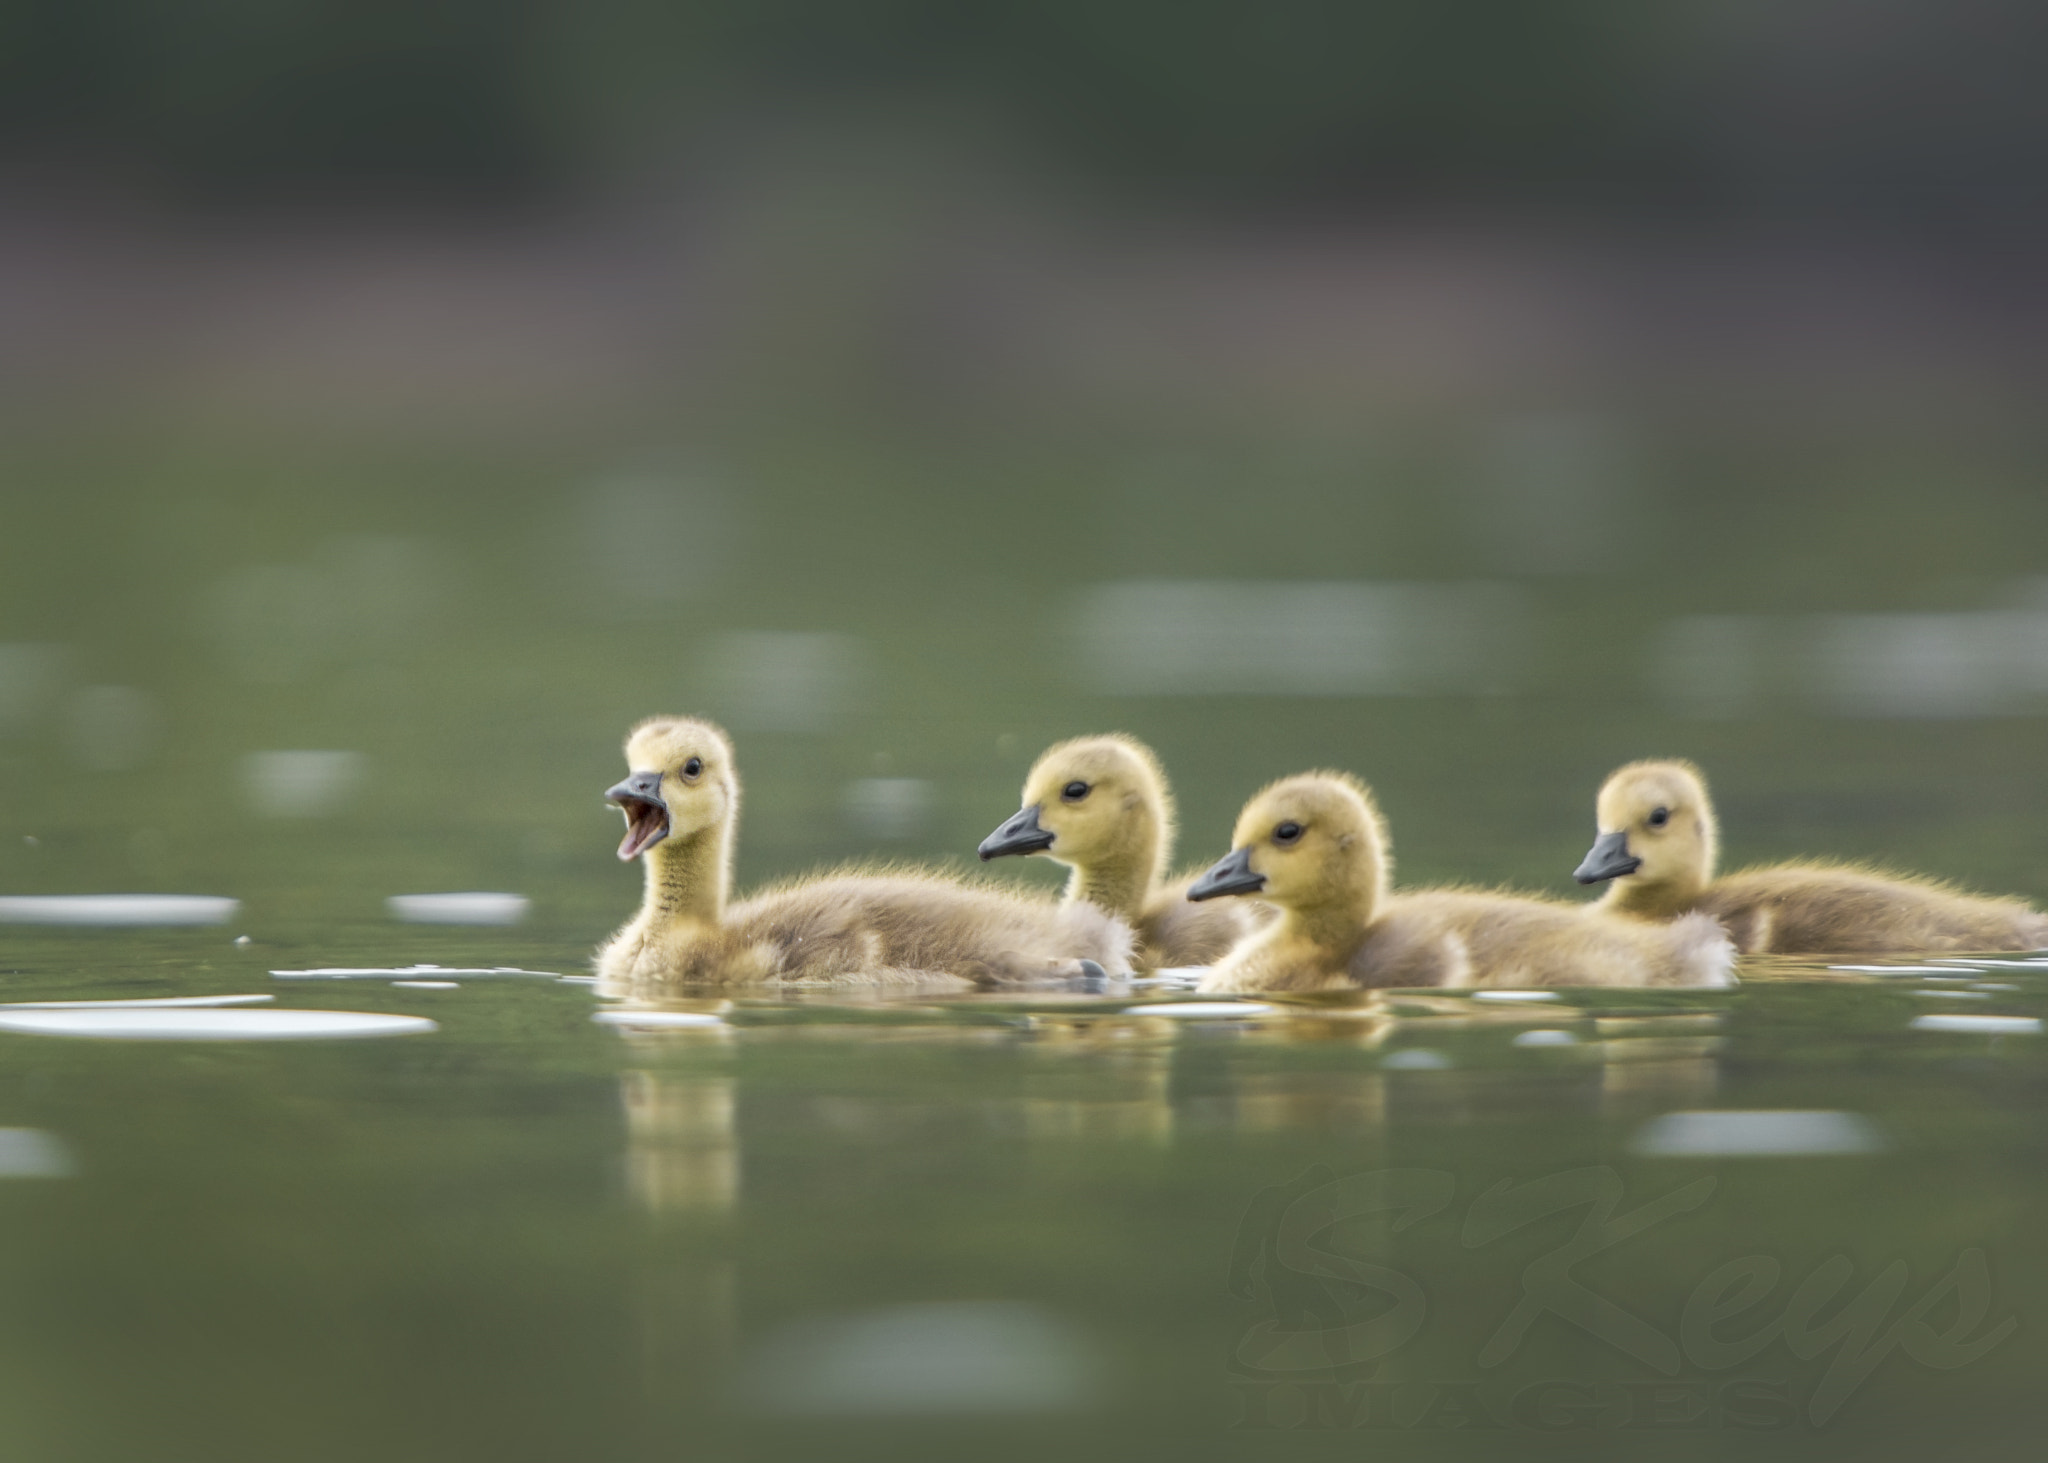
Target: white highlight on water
[[302, 784], [125, 910], [149, 1003], [1514, 995], [940, 1358], [130, 1024], [30, 1153], [1980, 1025], [1416, 1059], [1202, 1010], [665, 1020], [889, 807], [387, 972], [457, 909], [1545, 1037], [1783, 1133], [1199, 637]]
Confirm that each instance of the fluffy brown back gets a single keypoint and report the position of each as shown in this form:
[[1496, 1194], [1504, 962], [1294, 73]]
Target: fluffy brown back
[[1464, 939], [891, 928], [1821, 909], [1174, 931]]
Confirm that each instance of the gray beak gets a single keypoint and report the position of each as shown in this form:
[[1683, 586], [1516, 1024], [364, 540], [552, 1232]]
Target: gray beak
[[1609, 859], [1231, 874], [1020, 833], [641, 787], [639, 798]]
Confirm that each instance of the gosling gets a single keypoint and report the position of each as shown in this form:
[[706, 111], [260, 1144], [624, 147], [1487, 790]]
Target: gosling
[[1658, 844], [1315, 846], [1101, 806], [681, 805]]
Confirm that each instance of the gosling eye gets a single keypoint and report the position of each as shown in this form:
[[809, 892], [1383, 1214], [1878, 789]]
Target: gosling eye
[[1074, 791], [1288, 832], [1659, 817], [693, 769]]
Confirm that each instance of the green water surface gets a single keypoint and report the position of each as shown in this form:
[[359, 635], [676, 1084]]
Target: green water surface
[[1010, 1226]]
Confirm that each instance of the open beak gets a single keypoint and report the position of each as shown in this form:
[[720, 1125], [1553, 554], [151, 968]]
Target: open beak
[[1609, 859], [639, 798], [1231, 874], [1021, 833]]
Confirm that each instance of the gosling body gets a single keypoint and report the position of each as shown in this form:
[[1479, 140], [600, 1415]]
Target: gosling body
[[1316, 847], [1101, 806], [875, 927], [1658, 844]]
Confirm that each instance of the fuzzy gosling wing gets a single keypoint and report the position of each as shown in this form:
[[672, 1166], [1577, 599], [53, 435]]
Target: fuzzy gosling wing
[[871, 926], [1465, 940], [1175, 932], [1793, 910], [1459, 940]]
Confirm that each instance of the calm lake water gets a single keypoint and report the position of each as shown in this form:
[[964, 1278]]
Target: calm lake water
[[313, 676], [1091, 1223]]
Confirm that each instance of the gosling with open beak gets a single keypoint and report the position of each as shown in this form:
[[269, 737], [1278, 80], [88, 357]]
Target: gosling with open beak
[[639, 798]]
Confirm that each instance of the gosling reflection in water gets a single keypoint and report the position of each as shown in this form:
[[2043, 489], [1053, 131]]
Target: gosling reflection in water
[[882, 927], [1126, 1064], [1658, 1063], [682, 1145], [682, 1160], [1168, 1074], [1439, 1059], [1278, 1102]]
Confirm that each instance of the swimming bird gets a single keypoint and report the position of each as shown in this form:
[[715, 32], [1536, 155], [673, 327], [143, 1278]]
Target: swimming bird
[[884, 926], [1659, 841], [1101, 806], [1315, 845]]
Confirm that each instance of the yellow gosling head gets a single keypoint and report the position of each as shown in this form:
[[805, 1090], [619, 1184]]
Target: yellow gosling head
[[682, 782], [1307, 843], [1093, 801], [1657, 837]]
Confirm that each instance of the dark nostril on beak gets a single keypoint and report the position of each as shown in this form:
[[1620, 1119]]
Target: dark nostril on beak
[[1609, 858], [1231, 874], [642, 786], [1019, 834]]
